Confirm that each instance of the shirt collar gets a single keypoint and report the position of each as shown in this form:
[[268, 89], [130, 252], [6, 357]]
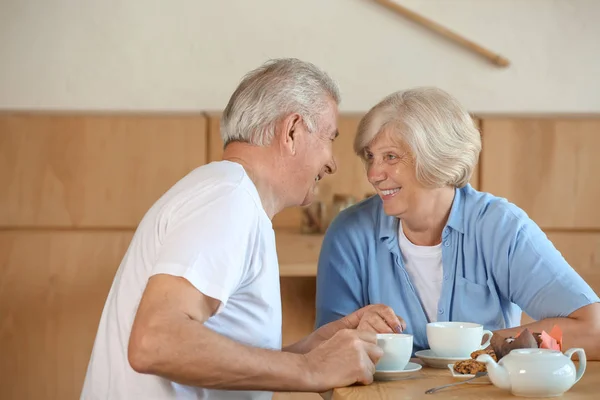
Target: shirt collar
[[456, 219], [388, 225]]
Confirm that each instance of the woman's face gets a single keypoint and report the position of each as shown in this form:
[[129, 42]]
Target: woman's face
[[391, 171]]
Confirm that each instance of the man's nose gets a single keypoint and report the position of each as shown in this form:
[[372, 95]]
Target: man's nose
[[331, 166]]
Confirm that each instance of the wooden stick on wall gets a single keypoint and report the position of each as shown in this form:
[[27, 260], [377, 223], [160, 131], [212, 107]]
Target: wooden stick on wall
[[496, 59]]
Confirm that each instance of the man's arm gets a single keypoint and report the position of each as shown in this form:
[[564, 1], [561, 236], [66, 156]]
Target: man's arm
[[169, 339]]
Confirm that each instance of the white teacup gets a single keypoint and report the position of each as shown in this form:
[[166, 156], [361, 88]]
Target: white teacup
[[456, 339], [397, 349]]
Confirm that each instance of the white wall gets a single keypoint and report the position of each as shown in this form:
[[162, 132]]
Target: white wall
[[190, 54]]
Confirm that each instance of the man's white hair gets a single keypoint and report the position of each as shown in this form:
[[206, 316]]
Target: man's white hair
[[274, 90], [440, 133]]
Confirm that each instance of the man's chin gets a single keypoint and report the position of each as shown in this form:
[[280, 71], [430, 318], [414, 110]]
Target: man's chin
[[307, 201]]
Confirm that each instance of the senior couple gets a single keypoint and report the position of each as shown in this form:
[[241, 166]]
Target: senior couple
[[194, 311]]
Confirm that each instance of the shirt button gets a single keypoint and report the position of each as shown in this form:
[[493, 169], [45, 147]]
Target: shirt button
[[446, 243], [446, 277], [440, 311]]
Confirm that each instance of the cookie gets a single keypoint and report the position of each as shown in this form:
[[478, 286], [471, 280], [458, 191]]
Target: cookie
[[469, 367], [489, 351]]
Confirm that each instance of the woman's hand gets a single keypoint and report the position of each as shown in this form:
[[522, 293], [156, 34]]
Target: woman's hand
[[379, 318]]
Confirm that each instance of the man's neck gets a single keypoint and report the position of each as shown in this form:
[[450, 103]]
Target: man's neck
[[258, 164], [424, 227]]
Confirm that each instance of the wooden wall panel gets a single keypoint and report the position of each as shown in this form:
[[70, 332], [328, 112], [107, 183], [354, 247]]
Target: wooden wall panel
[[53, 286], [547, 166], [297, 253], [215, 143], [298, 307], [92, 170]]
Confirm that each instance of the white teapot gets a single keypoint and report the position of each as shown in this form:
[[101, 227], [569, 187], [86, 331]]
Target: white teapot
[[535, 372]]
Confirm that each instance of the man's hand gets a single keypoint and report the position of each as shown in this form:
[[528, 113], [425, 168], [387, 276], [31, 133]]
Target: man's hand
[[348, 357]]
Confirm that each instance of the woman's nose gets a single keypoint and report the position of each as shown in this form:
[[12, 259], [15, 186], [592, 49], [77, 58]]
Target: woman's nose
[[375, 173]]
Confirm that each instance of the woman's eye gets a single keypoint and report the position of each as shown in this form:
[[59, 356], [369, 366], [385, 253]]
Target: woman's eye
[[391, 157]]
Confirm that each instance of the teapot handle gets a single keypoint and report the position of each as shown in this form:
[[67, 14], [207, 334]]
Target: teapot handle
[[582, 361], [488, 341]]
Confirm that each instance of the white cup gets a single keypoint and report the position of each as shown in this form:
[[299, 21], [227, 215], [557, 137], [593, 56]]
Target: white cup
[[397, 349], [456, 339]]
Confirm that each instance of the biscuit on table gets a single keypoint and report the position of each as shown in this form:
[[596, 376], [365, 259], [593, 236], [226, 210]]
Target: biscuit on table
[[472, 366], [489, 351], [469, 367]]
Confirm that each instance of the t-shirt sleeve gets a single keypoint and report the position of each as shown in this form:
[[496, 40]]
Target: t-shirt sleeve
[[211, 246]]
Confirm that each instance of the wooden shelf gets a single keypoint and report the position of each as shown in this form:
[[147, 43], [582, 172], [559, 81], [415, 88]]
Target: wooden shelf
[[298, 253], [298, 270]]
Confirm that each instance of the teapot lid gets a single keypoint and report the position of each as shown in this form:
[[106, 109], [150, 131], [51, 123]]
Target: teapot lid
[[536, 352]]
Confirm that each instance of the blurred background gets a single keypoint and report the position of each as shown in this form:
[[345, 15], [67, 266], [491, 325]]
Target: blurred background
[[105, 104]]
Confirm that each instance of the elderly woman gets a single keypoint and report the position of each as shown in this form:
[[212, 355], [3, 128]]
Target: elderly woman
[[433, 248]]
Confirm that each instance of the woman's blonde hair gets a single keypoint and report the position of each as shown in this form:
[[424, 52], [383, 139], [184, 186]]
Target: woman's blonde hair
[[442, 136]]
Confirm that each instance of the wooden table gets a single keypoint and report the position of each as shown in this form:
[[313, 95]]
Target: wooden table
[[414, 387]]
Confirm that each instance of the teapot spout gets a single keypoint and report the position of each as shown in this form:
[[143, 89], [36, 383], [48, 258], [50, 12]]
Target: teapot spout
[[497, 373]]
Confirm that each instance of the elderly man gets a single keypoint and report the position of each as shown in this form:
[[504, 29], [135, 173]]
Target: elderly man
[[194, 311]]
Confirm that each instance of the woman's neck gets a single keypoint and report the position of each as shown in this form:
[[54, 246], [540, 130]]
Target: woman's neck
[[424, 226]]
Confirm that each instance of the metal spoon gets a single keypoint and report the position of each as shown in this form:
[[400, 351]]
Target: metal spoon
[[435, 389]]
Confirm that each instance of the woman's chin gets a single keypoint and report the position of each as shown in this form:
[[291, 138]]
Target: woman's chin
[[392, 209]]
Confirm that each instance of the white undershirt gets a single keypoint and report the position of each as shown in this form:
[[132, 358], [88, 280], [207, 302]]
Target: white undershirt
[[424, 267]]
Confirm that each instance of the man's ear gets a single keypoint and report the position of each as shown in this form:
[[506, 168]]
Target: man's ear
[[290, 132]]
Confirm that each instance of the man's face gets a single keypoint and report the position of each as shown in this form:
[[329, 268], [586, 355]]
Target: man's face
[[315, 154]]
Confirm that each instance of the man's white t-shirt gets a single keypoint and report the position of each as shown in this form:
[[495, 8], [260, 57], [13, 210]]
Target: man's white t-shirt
[[211, 229], [424, 266]]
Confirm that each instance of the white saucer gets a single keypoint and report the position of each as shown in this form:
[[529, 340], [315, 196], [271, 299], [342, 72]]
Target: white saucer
[[484, 380], [434, 361], [393, 375]]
